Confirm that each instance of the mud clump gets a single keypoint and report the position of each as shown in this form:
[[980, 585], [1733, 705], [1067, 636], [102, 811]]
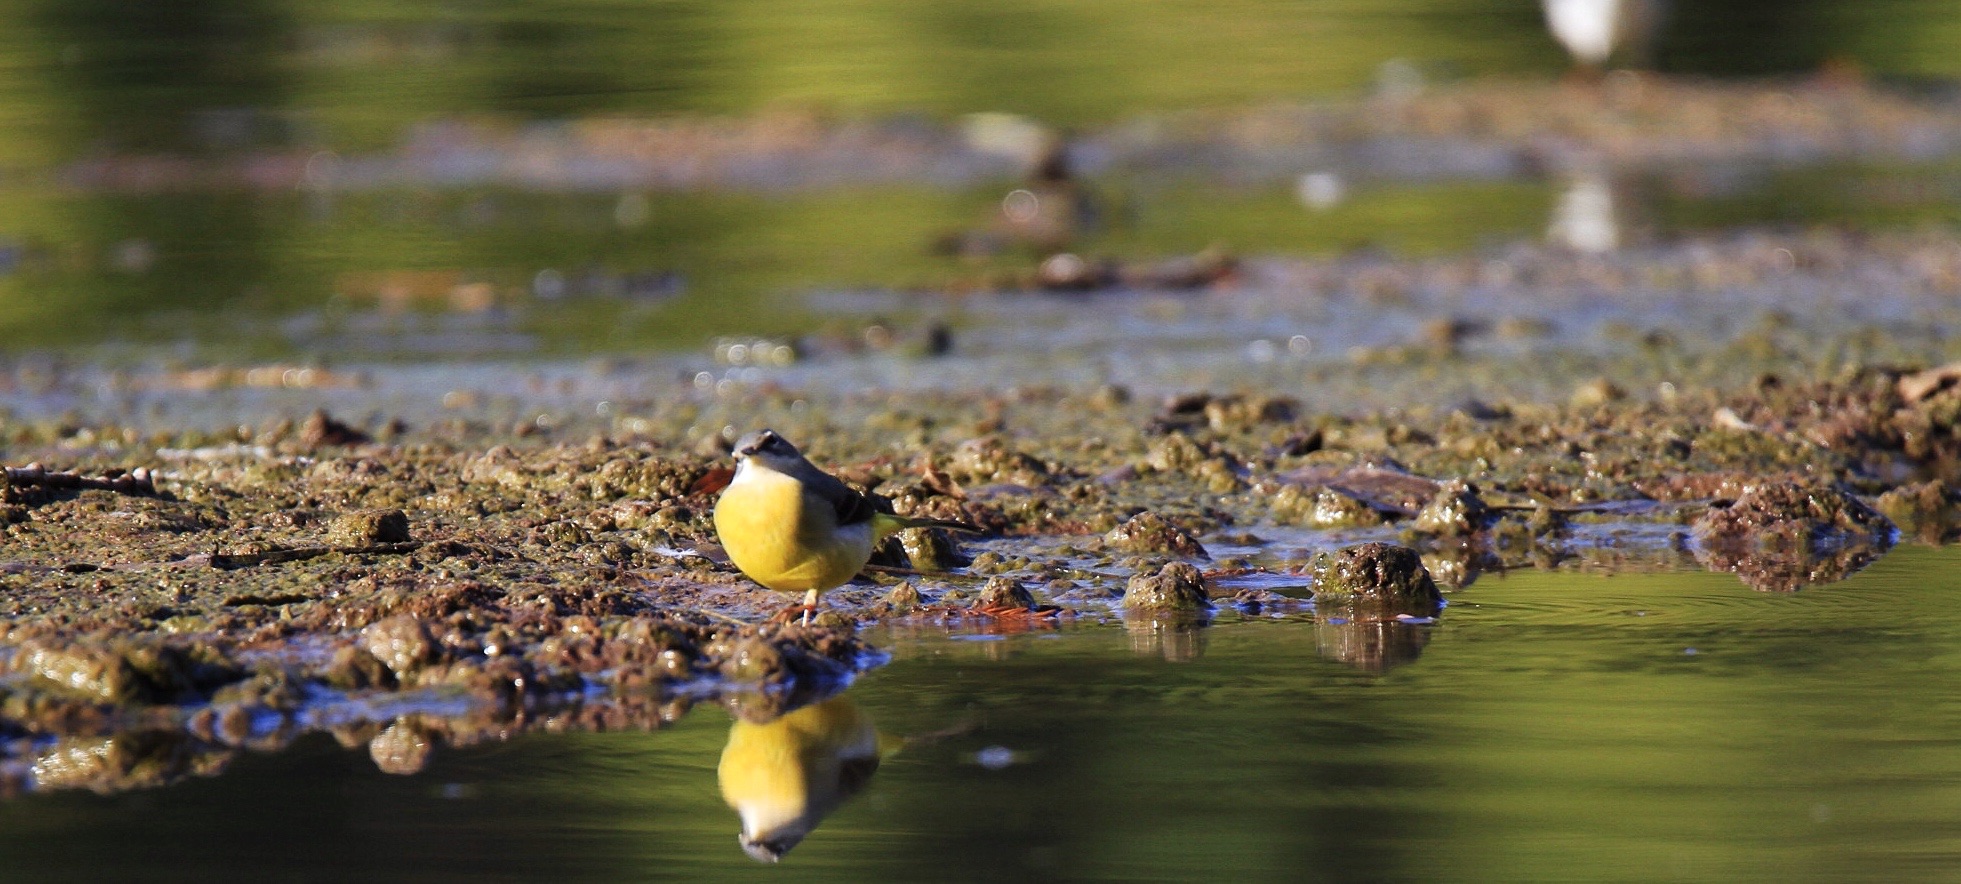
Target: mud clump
[[904, 598], [1324, 508], [1175, 588], [321, 429], [1147, 532], [1786, 515], [124, 672], [1924, 510], [368, 528], [1005, 592], [402, 643], [356, 668], [1373, 581], [929, 549], [777, 669], [988, 460], [1455, 511], [1784, 536]]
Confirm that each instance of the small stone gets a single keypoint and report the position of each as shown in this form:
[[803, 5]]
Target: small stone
[[988, 460], [1782, 537], [1176, 452], [1324, 508]]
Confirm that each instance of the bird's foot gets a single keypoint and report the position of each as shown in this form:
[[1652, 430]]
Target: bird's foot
[[791, 613]]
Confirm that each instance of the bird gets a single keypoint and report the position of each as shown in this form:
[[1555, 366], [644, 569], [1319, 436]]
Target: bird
[[1594, 30], [793, 527], [784, 776]]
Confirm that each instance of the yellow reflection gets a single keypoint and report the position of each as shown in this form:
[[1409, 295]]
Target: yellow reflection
[[785, 776]]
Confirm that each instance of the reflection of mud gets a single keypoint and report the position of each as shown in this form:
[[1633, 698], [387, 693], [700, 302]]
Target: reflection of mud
[[1178, 639], [1373, 602], [112, 716], [1372, 646], [784, 776], [132, 760], [1789, 569]]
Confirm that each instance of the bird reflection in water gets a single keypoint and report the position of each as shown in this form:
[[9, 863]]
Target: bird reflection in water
[[784, 776]]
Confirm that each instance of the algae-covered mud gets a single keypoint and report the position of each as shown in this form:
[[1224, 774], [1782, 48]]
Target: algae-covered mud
[[404, 586]]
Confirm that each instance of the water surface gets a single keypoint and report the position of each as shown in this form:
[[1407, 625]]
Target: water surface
[[1555, 726]]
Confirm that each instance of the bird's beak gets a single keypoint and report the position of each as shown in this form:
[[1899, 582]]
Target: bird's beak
[[764, 851]]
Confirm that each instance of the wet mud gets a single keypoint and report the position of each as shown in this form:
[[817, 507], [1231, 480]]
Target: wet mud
[[165, 606]]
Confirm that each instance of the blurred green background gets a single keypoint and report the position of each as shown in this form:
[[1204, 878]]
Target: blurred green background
[[153, 177]]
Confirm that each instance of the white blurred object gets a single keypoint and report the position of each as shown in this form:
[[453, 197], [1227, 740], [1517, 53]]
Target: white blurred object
[[1398, 79], [1584, 220], [1010, 136], [1320, 191], [1594, 30]]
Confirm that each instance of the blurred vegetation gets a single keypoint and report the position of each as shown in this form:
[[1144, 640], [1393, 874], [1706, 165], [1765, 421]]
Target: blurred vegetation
[[354, 73], [220, 79]]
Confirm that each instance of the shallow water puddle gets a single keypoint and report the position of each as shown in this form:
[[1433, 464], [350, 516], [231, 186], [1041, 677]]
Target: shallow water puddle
[[1548, 724]]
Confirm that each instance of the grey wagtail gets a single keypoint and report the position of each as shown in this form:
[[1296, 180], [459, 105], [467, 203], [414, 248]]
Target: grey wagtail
[[784, 777], [795, 528]]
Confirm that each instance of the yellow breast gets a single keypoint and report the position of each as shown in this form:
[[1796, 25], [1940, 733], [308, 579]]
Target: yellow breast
[[783, 541]]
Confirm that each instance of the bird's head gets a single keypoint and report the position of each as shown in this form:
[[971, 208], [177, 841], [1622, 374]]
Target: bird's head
[[768, 449], [771, 848]]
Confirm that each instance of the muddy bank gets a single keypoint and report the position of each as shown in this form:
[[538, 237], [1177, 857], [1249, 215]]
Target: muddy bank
[[231, 590]]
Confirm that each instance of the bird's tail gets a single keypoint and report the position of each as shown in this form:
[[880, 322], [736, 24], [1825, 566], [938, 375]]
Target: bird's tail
[[884, 524]]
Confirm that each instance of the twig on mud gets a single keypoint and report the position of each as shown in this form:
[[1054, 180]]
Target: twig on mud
[[228, 561], [713, 615], [913, 572], [137, 481]]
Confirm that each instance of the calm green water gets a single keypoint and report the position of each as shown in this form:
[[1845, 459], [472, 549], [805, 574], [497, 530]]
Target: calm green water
[[1671, 726]]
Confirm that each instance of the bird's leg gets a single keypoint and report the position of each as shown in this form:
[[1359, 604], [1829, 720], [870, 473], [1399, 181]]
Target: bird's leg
[[809, 605]]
